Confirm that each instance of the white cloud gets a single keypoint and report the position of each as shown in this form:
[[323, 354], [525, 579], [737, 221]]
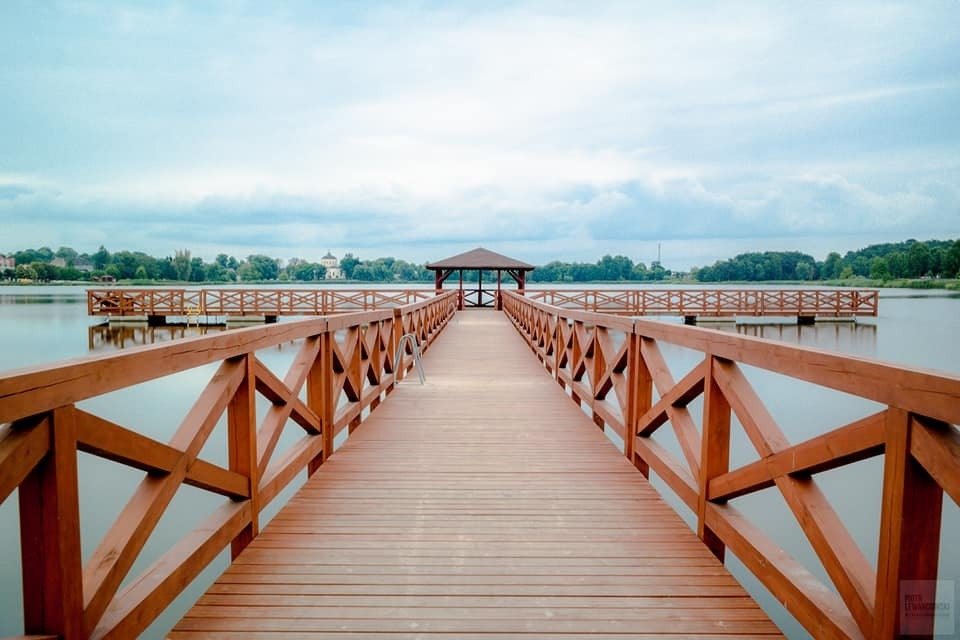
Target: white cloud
[[546, 126]]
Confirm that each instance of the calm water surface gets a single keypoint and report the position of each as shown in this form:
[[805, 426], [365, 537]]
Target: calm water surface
[[39, 325]]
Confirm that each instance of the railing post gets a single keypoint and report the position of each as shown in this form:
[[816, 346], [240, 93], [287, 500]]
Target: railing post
[[909, 537], [395, 336], [242, 449], [50, 536], [320, 397], [714, 452], [641, 392]]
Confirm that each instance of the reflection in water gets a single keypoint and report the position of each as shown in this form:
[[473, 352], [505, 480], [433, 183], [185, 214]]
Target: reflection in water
[[842, 337], [106, 337]]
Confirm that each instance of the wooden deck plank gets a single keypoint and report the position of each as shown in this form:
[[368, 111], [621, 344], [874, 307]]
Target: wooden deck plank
[[482, 503]]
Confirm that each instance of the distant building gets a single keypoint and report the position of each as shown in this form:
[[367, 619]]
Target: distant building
[[58, 262], [83, 264], [7, 262], [330, 261]]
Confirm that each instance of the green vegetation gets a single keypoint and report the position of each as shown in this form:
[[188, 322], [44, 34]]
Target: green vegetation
[[66, 264], [608, 268], [898, 262], [912, 263]]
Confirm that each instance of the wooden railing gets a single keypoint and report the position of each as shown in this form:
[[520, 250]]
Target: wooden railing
[[612, 365], [238, 302], [715, 302], [344, 362]]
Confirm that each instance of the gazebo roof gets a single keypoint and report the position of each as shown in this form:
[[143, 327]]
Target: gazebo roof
[[480, 258]]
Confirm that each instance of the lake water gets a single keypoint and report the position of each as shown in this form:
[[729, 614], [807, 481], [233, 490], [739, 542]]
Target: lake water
[[39, 325]]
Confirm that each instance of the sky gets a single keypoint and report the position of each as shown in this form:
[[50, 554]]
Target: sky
[[543, 130]]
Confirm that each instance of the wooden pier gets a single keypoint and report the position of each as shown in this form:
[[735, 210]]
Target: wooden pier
[[452, 513], [155, 305], [486, 501], [806, 305]]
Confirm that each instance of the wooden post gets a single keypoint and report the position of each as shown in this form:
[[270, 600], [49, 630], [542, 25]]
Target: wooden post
[[498, 303], [319, 397], [395, 342], [714, 453], [909, 535], [642, 390], [242, 449], [460, 300], [50, 536]]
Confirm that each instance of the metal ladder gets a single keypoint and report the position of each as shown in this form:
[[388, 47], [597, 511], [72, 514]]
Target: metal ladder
[[416, 355]]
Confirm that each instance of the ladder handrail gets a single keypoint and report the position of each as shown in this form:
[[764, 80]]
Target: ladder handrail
[[416, 355]]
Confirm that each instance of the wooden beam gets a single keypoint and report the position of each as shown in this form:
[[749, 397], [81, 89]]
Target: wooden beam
[[909, 535], [242, 449], [714, 453], [119, 548], [22, 447], [856, 441], [936, 446], [110, 441], [50, 536]]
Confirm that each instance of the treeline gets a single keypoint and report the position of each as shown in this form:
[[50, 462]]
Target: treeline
[[44, 265], [611, 268], [908, 259]]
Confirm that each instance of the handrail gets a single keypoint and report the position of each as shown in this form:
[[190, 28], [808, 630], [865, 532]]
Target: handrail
[[816, 302], [613, 365], [343, 363], [123, 301], [415, 349]]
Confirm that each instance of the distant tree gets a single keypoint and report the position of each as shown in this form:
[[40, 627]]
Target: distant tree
[[68, 254], [639, 272], [804, 271], [101, 258], [45, 272], [658, 272], [918, 259], [846, 273], [25, 272], [951, 265], [267, 268], [197, 270], [879, 269], [832, 266], [361, 272], [897, 264], [347, 264], [182, 264], [141, 273]]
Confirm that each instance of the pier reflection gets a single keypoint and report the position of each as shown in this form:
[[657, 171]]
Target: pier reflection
[[106, 337], [858, 338]]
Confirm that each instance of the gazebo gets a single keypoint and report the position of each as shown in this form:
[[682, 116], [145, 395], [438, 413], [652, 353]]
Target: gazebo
[[480, 260]]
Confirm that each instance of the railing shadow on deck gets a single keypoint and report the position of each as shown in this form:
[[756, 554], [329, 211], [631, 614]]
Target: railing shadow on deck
[[345, 363], [612, 365]]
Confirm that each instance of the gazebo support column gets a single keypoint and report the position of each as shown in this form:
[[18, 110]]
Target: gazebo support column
[[460, 299]]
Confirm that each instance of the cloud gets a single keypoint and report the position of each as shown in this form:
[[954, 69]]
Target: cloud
[[411, 129]]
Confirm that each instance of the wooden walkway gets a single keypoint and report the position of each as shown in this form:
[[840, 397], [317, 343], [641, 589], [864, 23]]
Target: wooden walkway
[[482, 503]]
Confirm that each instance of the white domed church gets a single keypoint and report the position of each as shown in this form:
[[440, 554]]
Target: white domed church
[[330, 261]]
